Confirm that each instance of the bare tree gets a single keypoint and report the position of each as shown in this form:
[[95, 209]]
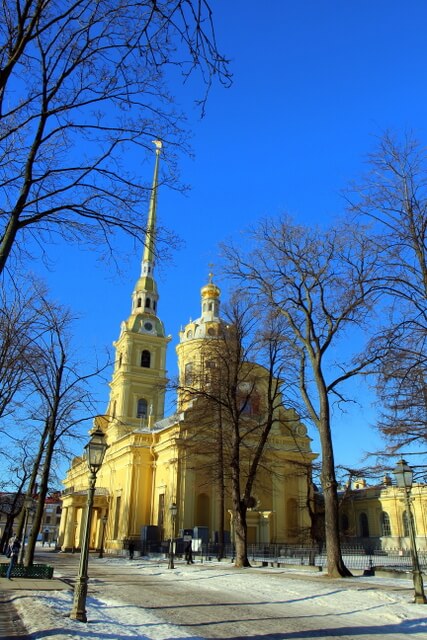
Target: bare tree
[[320, 283], [83, 85], [393, 195], [402, 390], [19, 327], [240, 392], [15, 471], [61, 403]]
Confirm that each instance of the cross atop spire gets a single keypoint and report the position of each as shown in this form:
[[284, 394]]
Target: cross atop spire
[[210, 274]]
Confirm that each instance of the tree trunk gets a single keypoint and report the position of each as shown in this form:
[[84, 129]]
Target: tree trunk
[[220, 552], [335, 564], [239, 508], [14, 511], [8, 239], [44, 483], [7, 531], [240, 538], [32, 482]]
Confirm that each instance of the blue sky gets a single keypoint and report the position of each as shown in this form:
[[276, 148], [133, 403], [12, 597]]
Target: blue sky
[[315, 83]]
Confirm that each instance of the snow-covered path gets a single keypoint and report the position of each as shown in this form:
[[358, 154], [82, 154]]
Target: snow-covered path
[[144, 599]]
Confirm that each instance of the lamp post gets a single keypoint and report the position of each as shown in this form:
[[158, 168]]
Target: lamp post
[[404, 477], [28, 506], [96, 448], [104, 524], [172, 510]]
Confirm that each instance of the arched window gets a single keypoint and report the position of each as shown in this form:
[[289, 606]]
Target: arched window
[[120, 360], [292, 516], [142, 408], [405, 523], [146, 359], [255, 404], [209, 366], [147, 303], [154, 305], [405, 520], [248, 402], [117, 517], [161, 511], [114, 409], [364, 525], [344, 522], [202, 510], [138, 302], [385, 524], [245, 404], [188, 373]]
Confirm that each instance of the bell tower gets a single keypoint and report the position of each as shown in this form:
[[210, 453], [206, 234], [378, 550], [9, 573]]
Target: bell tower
[[198, 344], [137, 388]]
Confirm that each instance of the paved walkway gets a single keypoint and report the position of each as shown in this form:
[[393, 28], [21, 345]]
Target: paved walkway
[[11, 625]]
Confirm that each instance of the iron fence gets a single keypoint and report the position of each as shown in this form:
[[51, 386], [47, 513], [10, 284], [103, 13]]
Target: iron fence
[[354, 557]]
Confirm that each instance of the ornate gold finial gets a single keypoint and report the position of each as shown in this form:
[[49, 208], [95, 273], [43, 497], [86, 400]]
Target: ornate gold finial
[[210, 290], [158, 144], [210, 274]]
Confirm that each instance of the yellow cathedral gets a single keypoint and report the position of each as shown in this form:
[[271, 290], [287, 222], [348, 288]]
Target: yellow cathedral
[[150, 464]]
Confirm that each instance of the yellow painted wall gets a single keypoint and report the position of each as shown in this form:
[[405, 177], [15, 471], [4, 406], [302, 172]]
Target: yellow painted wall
[[154, 462], [373, 502]]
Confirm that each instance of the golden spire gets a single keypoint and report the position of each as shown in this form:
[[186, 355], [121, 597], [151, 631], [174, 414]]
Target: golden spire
[[152, 211], [145, 295]]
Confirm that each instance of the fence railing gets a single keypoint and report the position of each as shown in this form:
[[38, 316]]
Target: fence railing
[[354, 557]]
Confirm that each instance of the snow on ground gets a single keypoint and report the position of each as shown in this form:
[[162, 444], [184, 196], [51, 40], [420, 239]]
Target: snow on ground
[[48, 614], [45, 614]]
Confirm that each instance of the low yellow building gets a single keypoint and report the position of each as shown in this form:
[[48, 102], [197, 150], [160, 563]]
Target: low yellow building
[[155, 461], [377, 516]]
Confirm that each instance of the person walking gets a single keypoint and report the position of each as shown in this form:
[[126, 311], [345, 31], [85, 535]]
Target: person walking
[[189, 552], [131, 549], [12, 553]]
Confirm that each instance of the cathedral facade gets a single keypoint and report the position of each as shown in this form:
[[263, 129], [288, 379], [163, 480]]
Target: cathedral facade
[[155, 461]]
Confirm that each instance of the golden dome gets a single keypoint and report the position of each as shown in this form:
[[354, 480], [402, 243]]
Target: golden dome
[[210, 290]]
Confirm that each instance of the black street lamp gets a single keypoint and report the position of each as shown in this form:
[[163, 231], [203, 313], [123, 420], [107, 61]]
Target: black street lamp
[[173, 511], [96, 448], [404, 477], [104, 524]]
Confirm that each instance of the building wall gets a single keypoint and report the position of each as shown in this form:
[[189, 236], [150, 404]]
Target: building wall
[[144, 473], [362, 510], [49, 527]]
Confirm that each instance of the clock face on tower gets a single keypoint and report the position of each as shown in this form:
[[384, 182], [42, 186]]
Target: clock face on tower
[[147, 327], [300, 430]]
